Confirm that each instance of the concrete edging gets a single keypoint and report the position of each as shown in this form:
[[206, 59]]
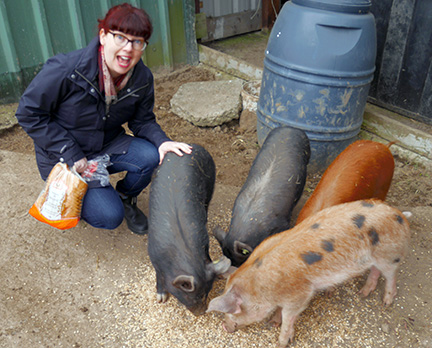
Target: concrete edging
[[229, 64]]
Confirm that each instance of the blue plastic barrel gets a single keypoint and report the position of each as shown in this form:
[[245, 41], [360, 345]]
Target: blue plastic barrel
[[318, 66]]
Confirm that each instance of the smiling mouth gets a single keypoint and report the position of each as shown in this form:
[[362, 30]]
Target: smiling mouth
[[123, 61]]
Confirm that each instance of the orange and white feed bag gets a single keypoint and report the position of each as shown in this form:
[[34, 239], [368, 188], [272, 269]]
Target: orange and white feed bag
[[59, 203]]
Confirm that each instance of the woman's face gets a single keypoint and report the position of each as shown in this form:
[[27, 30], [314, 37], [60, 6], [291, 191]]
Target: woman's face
[[119, 59]]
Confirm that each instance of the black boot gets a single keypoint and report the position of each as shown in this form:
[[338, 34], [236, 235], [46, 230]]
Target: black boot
[[135, 218]]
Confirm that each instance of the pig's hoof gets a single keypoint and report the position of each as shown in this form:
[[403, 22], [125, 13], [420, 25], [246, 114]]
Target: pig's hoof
[[388, 299], [365, 291], [275, 322], [285, 344], [330, 292], [162, 297], [388, 302]]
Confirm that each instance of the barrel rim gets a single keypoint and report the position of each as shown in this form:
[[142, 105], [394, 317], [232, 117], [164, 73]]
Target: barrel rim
[[314, 133], [342, 6], [309, 70], [309, 75]]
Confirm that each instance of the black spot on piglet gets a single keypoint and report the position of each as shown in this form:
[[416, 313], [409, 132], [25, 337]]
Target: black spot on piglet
[[311, 257], [367, 204], [373, 235], [327, 245], [396, 260], [315, 226], [399, 219], [359, 220], [258, 262]]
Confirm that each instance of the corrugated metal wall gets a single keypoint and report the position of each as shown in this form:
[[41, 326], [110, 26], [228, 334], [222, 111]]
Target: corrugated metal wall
[[225, 18], [216, 8], [403, 76], [31, 31]]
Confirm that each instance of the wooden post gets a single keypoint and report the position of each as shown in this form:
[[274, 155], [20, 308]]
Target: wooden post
[[269, 10]]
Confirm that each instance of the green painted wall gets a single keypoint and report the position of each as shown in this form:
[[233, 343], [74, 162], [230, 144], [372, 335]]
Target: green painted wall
[[50, 27]]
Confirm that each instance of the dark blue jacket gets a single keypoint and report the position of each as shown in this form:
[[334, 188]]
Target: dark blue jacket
[[65, 114]]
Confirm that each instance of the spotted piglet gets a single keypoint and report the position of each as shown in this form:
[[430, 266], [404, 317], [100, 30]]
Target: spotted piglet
[[336, 244]]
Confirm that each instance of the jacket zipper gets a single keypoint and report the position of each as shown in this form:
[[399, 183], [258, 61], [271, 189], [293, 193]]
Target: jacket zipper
[[89, 82], [97, 89], [132, 92]]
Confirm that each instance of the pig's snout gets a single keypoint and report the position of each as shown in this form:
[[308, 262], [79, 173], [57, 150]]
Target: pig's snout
[[229, 326], [224, 327], [198, 309], [228, 329]]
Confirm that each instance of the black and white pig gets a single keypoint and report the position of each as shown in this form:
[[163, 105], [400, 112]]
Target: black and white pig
[[324, 250], [272, 189], [178, 241]]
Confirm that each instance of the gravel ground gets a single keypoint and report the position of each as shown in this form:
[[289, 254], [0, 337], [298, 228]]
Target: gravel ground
[[93, 288]]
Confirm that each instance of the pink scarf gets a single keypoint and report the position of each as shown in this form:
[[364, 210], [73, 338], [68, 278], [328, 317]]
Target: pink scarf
[[107, 83]]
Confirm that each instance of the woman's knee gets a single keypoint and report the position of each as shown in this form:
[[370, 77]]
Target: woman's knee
[[102, 208], [151, 158], [147, 151], [104, 219]]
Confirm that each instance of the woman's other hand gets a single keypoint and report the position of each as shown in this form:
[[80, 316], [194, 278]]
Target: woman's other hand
[[81, 165], [173, 146]]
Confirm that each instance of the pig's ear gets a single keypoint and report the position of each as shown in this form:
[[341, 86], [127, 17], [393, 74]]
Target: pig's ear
[[185, 283], [242, 249], [220, 266], [228, 303], [219, 234]]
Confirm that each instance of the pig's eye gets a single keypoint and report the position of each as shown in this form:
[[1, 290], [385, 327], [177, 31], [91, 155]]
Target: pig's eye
[[242, 249]]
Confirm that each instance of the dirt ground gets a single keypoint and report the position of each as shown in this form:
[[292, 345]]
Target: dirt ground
[[87, 287]]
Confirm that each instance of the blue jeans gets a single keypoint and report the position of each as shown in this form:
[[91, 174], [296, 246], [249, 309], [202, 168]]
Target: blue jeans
[[102, 206]]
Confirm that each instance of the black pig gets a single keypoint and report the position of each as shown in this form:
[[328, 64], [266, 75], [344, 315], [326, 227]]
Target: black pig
[[271, 191], [178, 241]]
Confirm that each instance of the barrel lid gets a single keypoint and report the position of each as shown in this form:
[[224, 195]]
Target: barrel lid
[[348, 6]]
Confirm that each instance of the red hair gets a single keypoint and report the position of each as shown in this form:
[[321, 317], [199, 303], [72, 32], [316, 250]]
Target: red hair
[[127, 19]]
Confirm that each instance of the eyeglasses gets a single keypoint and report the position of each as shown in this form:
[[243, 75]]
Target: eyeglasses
[[121, 41]]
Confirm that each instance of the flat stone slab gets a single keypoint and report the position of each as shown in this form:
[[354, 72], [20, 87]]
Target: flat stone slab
[[208, 103]]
